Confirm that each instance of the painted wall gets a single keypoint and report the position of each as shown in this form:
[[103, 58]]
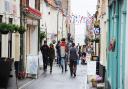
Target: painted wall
[[49, 21], [126, 52], [11, 10], [103, 16]]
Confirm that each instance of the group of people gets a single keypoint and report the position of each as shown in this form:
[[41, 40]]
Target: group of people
[[67, 54], [83, 51], [48, 53]]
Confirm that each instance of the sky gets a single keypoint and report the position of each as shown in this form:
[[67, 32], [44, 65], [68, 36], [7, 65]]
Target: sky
[[81, 7]]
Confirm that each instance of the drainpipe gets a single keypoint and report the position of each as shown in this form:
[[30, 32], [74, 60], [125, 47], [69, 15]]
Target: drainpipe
[[39, 29], [62, 24], [21, 66], [57, 24]]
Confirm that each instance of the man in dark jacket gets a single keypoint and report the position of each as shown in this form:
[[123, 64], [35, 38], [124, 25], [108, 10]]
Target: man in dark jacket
[[45, 53], [51, 56], [73, 56], [58, 53]]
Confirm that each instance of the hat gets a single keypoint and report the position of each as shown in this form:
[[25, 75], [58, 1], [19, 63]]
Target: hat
[[51, 44]]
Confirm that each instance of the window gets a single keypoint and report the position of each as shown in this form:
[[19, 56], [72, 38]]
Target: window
[[1, 17], [37, 4], [11, 20], [27, 3]]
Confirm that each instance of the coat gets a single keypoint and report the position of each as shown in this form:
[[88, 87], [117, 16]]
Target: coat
[[51, 53]]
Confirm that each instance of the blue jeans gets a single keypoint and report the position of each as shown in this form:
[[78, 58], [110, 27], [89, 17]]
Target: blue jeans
[[63, 64]]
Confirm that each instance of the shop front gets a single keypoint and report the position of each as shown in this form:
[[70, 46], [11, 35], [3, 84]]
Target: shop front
[[31, 40]]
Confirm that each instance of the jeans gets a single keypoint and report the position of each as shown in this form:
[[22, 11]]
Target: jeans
[[63, 64]]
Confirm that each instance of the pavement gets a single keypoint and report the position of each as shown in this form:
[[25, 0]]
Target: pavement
[[58, 80]]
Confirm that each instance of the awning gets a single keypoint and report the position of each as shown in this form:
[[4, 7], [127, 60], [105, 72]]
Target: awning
[[51, 2], [33, 12]]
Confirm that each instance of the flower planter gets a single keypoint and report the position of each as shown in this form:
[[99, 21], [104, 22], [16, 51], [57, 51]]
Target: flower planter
[[94, 83]]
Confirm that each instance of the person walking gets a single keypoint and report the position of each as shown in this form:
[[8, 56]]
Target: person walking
[[58, 53], [63, 50], [45, 53], [51, 56], [73, 56]]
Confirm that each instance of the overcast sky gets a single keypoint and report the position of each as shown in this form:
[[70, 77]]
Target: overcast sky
[[81, 7]]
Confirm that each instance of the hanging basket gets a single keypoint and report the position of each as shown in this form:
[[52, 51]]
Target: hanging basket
[[4, 28], [4, 31], [21, 30]]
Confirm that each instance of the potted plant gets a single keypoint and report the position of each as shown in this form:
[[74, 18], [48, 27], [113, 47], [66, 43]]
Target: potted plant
[[42, 35], [4, 28], [97, 40], [11, 27], [15, 28], [21, 29]]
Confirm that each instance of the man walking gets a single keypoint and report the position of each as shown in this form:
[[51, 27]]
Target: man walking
[[51, 56], [73, 56], [58, 53], [63, 50], [45, 53]]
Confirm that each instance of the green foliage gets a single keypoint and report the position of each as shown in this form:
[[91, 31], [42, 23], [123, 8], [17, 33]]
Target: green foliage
[[21, 29], [42, 35], [97, 40], [5, 28]]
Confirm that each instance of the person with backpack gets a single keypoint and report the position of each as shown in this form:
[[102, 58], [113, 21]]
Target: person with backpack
[[73, 56]]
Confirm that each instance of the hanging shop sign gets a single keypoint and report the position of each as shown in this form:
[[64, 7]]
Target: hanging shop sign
[[97, 31], [33, 13], [51, 2]]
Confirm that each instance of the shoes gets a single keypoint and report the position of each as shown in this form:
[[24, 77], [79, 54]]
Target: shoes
[[66, 70], [50, 71], [74, 74]]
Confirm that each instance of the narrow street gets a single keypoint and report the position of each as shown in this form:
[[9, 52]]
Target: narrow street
[[57, 80]]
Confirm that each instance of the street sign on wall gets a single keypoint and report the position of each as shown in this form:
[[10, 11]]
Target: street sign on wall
[[97, 31]]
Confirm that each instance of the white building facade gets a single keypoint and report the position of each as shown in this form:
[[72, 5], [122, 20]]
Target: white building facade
[[9, 43]]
